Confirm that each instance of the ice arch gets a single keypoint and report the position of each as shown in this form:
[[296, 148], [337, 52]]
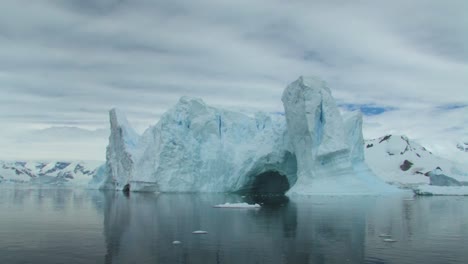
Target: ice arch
[[271, 178], [269, 182]]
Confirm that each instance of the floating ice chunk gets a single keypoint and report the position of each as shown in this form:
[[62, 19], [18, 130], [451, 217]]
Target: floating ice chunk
[[237, 205], [389, 240], [176, 242], [200, 232], [385, 235]]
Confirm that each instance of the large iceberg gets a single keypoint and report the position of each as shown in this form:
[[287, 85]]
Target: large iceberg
[[310, 149]]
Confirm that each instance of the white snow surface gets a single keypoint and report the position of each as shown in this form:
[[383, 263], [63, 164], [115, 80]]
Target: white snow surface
[[387, 155], [198, 148], [71, 173], [237, 205]]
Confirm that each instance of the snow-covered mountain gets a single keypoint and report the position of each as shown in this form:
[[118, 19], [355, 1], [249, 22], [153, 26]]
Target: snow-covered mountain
[[76, 173], [310, 149], [402, 162]]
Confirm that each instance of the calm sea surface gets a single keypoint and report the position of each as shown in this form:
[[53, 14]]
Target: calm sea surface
[[78, 226]]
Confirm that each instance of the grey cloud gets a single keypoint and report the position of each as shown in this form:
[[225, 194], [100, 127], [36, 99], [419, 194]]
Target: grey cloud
[[99, 7], [66, 62], [62, 133]]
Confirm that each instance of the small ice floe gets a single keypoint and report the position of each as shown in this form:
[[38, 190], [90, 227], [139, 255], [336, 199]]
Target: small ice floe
[[389, 240], [176, 242], [237, 205], [408, 199], [385, 235], [200, 232]]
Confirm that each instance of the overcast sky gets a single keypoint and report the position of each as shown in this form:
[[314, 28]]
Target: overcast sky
[[65, 63]]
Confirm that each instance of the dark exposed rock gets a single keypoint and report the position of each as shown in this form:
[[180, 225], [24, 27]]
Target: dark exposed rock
[[78, 167], [387, 137], [406, 140], [29, 173], [58, 166], [425, 149], [406, 165], [369, 145], [407, 148], [66, 175], [82, 169], [40, 166], [463, 146], [20, 163]]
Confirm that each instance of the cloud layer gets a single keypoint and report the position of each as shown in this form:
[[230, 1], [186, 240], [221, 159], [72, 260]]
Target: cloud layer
[[66, 62]]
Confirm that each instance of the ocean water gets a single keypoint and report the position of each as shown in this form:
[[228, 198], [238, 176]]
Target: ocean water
[[80, 226]]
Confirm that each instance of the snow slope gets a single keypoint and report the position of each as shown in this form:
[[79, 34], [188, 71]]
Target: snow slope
[[198, 148], [402, 162], [76, 173]]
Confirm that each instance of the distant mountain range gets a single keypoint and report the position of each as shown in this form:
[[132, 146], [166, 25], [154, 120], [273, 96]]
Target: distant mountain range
[[76, 173]]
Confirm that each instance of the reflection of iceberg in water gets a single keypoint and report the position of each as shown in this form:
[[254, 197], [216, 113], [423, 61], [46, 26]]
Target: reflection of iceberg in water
[[319, 229], [331, 229], [128, 228], [140, 229]]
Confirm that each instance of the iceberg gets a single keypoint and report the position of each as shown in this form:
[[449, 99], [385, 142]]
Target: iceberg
[[309, 149], [328, 147]]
